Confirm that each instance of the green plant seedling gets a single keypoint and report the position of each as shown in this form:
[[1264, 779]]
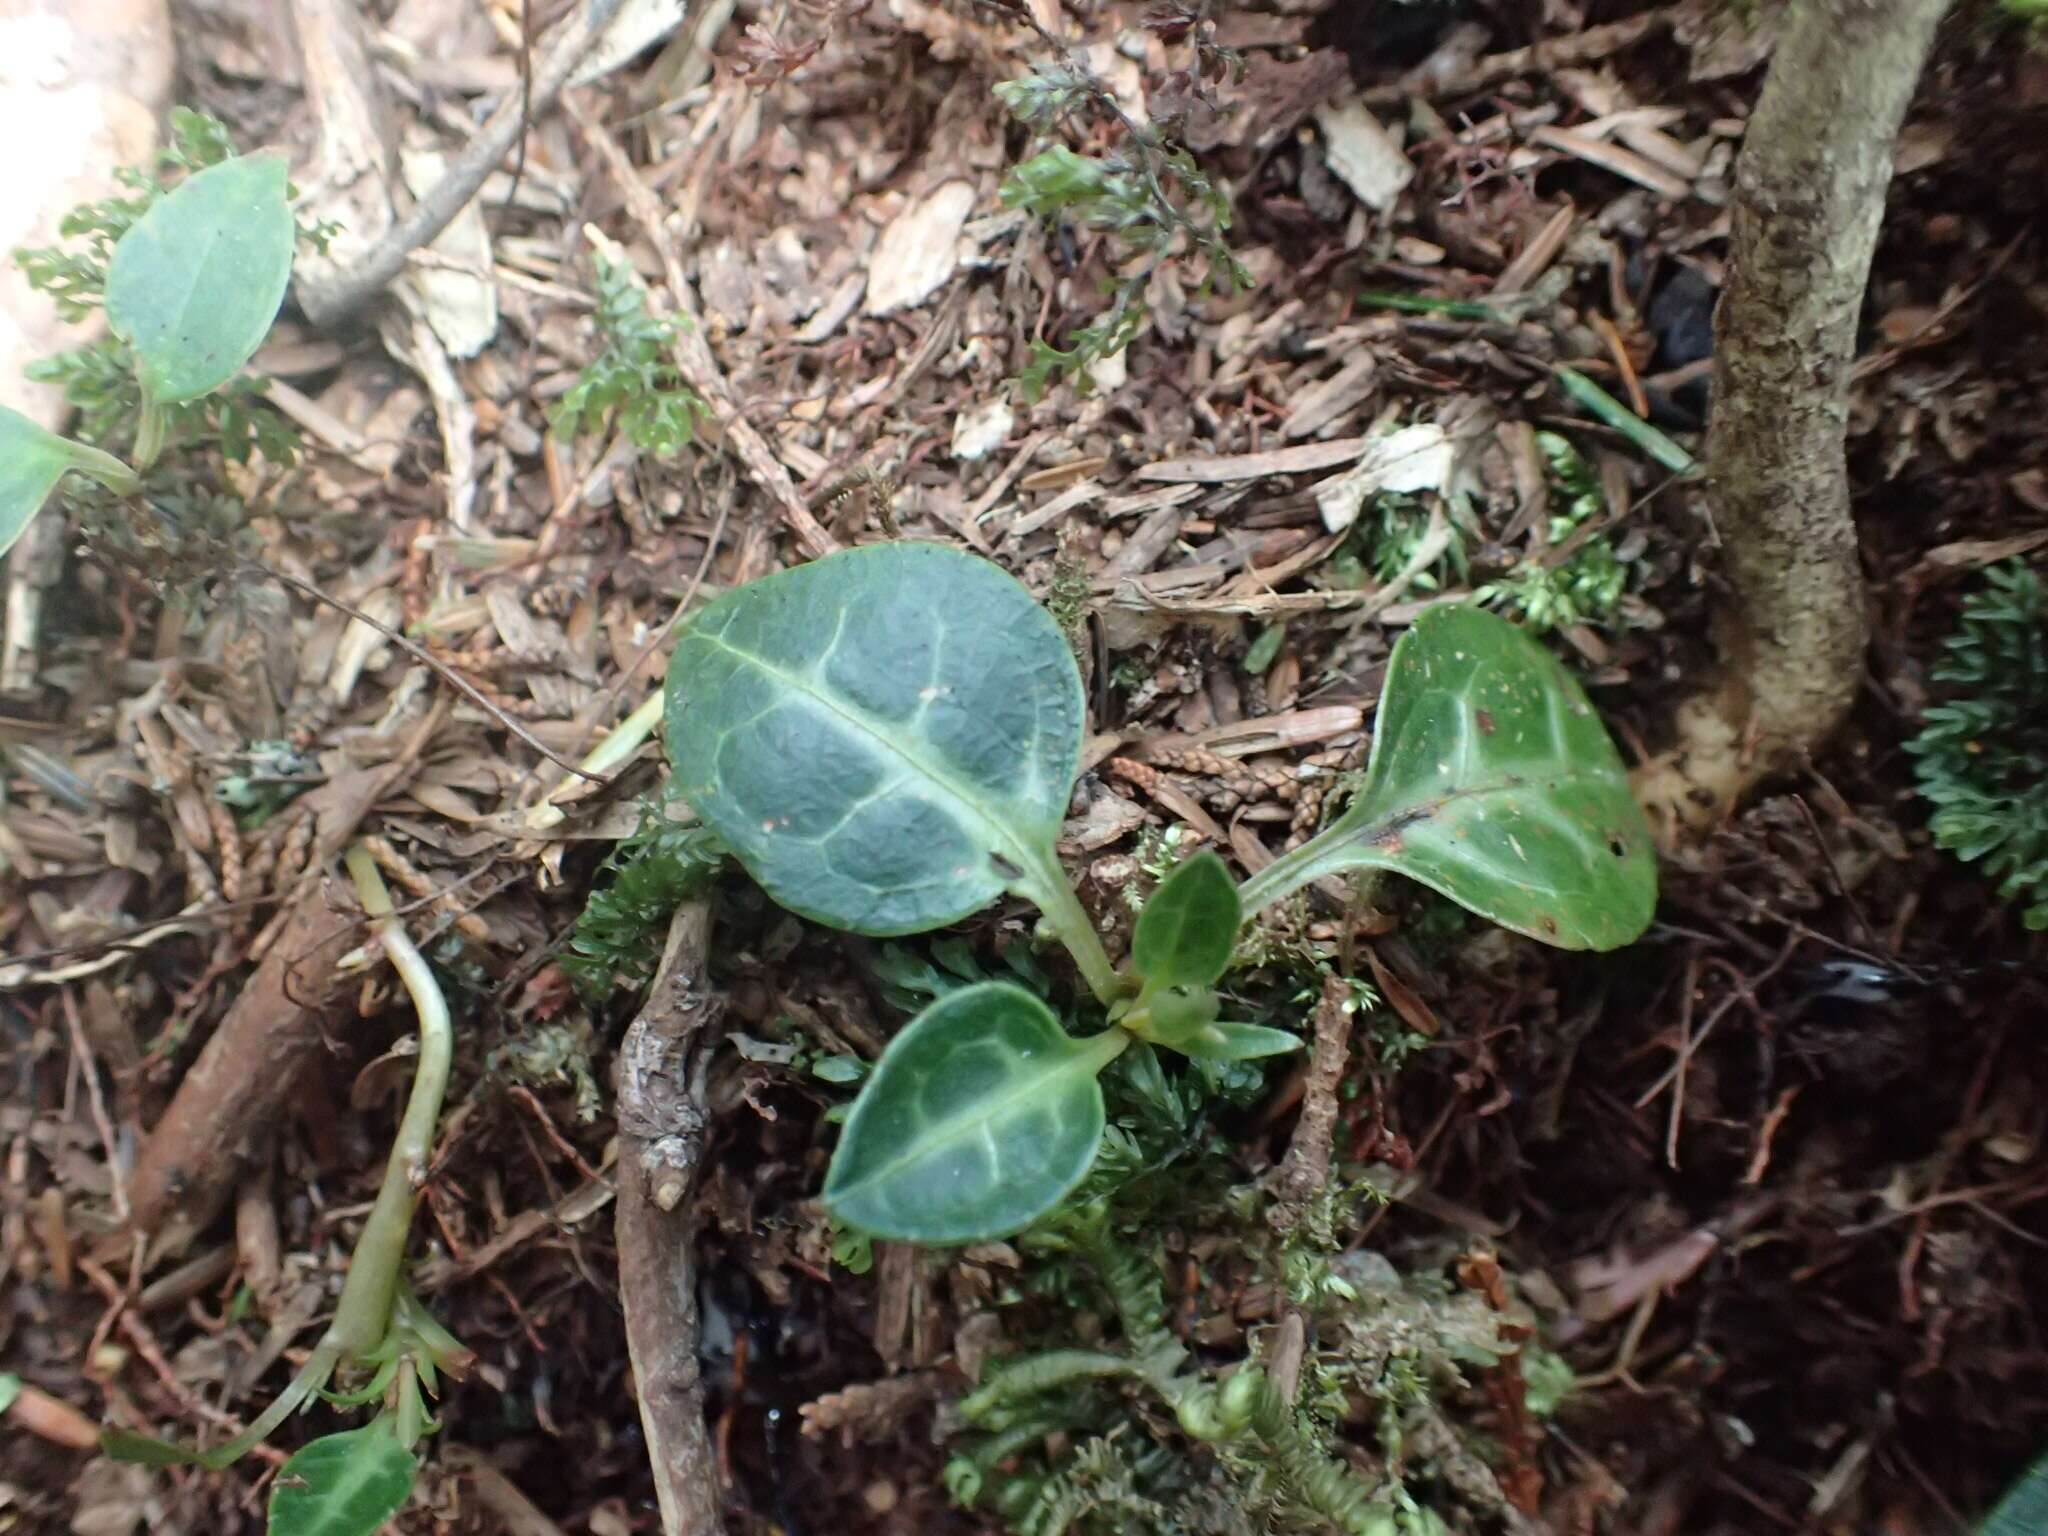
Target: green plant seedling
[[194, 286], [1492, 781], [32, 461], [351, 1483], [982, 1112], [887, 739]]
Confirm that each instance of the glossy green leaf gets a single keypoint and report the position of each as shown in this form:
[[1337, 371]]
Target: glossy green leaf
[[2024, 1509], [195, 284], [980, 1116], [343, 1485], [1224, 1041], [886, 738], [1185, 934], [32, 461], [1493, 781]]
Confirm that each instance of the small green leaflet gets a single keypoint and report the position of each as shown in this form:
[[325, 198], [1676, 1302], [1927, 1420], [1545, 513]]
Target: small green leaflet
[[1186, 932], [1493, 781], [886, 738], [343, 1485], [195, 285], [980, 1116], [2024, 1509], [32, 461], [1235, 1042]]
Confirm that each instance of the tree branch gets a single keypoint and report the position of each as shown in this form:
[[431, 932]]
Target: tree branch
[[661, 1112], [331, 299]]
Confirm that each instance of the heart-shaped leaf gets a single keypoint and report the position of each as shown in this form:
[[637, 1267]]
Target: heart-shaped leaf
[[32, 461], [1224, 1041], [1186, 932], [980, 1116], [343, 1485], [1492, 781], [195, 284], [886, 738]]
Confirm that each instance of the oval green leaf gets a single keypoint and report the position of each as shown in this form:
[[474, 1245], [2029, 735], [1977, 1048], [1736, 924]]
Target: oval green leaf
[[886, 738], [343, 1485], [195, 284], [980, 1116], [32, 461], [1188, 929], [1493, 781], [1235, 1042]]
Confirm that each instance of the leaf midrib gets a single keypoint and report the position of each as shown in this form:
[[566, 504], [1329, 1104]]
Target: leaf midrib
[[1027, 856], [1079, 1062]]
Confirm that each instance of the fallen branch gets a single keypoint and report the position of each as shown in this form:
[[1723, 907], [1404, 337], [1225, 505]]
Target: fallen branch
[[238, 1087], [329, 300], [1305, 1170], [661, 1113], [1585, 47], [693, 357]]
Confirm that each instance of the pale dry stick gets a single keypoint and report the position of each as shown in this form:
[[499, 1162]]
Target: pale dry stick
[[692, 354], [82, 1052], [662, 1118], [1305, 1170], [1537, 59], [333, 299], [426, 658]]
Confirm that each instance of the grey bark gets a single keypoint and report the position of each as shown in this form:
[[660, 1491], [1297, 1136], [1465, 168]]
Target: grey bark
[[1810, 193], [662, 1120]]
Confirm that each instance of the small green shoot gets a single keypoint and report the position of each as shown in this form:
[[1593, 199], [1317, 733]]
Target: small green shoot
[[351, 1483], [1610, 411], [1141, 194], [1586, 587], [632, 381], [1983, 753]]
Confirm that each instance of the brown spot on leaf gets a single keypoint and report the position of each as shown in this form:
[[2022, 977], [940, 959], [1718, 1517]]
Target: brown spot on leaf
[[1550, 926], [1485, 718]]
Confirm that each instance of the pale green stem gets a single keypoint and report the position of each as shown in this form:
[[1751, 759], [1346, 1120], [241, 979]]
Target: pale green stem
[[363, 1316], [1335, 851], [1068, 922], [619, 743], [103, 467], [149, 433]]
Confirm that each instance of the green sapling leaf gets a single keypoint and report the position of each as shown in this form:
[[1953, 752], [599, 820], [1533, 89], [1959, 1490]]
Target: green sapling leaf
[[1224, 1041], [343, 1485], [886, 738], [1185, 934], [32, 461], [195, 285], [1493, 781], [2024, 1509], [981, 1115]]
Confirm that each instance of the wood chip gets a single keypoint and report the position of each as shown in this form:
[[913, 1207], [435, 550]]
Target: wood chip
[[1322, 403], [1222, 469], [1612, 157], [919, 250]]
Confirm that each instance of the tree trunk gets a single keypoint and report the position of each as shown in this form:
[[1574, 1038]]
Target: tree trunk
[[1809, 196]]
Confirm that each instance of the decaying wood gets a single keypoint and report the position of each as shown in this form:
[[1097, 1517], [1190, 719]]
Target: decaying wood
[[661, 1109], [1306, 1168], [1809, 197], [243, 1078]]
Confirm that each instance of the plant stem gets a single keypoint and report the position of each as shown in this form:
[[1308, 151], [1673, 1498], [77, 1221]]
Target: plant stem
[[1069, 922], [1329, 852], [618, 744], [103, 467], [149, 433], [368, 1295]]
